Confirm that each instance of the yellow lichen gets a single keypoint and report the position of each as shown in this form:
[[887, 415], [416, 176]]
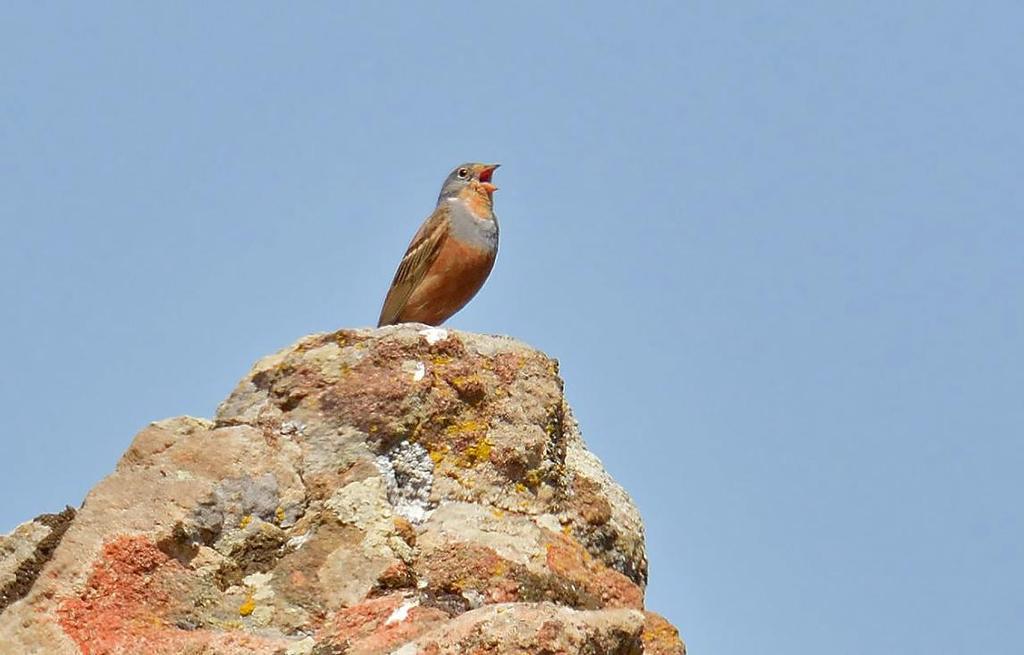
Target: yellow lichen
[[520, 487], [498, 513], [464, 427], [479, 452], [468, 384], [436, 456], [246, 520], [248, 606], [533, 477], [279, 514], [441, 360]]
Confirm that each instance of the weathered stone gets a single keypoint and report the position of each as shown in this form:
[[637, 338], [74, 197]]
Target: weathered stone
[[661, 637], [24, 552], [516, 628], [401, 490]]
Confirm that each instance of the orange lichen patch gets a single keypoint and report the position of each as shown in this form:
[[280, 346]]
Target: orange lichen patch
[[567, 558], [389, 636], [470, 567], [128, 604], [660, 637], [361, 620], [124, 596]]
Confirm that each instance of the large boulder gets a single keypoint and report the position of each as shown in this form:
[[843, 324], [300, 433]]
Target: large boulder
[[402, 490]]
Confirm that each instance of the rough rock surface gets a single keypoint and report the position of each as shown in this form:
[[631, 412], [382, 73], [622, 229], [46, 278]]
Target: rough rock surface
[[404, 490]]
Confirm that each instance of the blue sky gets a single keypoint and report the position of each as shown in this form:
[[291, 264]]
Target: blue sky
[[777, 250]]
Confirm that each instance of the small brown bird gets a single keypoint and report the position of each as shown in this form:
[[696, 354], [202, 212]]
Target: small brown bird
[[451, 254]]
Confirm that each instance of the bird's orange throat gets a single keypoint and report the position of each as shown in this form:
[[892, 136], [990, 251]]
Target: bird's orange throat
[[479, 201]]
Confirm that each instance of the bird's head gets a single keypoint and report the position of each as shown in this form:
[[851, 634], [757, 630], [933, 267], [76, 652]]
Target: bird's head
[[474, 178]]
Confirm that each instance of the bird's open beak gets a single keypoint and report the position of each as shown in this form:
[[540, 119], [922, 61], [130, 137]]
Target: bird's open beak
[[485, 178]]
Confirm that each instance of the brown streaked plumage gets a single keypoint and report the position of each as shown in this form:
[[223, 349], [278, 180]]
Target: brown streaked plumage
[[451, 255]]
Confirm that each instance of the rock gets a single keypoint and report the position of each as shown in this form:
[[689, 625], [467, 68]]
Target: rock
[[24, 552], [515, 628], [401, 490]]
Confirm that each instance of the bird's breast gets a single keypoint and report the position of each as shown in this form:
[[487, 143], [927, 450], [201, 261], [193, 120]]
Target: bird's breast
[[469, 228], [454, 277]]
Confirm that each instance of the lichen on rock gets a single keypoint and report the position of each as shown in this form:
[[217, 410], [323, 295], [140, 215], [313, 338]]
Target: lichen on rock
[[408, 472], [399, 490]]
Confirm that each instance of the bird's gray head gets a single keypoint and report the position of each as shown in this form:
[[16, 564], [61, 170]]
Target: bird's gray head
[[469, 176]]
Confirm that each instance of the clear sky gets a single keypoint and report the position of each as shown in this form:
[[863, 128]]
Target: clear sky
[[778, 250]]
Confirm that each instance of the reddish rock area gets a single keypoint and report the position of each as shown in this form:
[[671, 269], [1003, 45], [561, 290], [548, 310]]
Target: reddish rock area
[[405, 490]]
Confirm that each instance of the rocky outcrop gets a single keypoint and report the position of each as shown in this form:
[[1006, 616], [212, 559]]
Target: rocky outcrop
[[24, 552], [403, 490]]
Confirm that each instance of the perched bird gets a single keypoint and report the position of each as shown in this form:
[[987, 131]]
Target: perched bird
[[451, 254]]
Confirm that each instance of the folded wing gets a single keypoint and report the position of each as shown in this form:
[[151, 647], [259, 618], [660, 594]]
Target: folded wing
[[417, 260]]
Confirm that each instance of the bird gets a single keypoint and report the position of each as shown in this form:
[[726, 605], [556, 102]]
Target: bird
[[452, 253]]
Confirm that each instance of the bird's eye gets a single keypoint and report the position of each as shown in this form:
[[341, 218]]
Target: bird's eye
[[463, 173]]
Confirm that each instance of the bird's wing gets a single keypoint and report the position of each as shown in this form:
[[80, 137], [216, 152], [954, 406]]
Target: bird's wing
[[421, 254]]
